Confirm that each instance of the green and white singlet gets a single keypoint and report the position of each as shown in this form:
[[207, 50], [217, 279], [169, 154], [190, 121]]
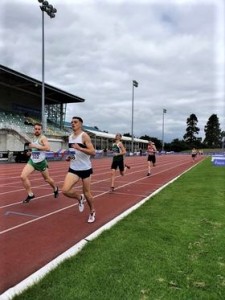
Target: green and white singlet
[[36, 154], [117, 149]]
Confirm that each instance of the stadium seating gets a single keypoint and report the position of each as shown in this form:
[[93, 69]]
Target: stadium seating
[[23, 124]]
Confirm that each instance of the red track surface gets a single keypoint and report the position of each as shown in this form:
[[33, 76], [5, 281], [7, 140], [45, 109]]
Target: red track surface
[[31, 235]]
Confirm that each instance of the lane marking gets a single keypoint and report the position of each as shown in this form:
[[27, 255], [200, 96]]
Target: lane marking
[[8, 212], [142, 164], [39, 218], [103, 180], [101, 194]]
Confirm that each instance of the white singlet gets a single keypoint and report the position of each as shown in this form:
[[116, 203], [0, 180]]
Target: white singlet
[[80, 161]]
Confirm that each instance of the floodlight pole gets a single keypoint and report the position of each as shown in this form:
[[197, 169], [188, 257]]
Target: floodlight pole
[[43, 119], [164, 112], [51, 11], [134, 84]]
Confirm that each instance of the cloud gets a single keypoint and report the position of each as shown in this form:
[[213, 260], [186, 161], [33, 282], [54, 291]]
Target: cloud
[[95, 49]]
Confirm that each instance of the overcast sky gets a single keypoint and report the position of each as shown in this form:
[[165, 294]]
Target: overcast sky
[[94, 49]]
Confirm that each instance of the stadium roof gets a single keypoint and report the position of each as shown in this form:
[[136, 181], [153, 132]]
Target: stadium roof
[[94, 131], [112, 136], [19, 81]]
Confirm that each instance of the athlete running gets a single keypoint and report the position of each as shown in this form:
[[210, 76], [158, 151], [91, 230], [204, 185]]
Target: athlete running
[[80, 151], [151, 150], [37, 162], [118, 159]]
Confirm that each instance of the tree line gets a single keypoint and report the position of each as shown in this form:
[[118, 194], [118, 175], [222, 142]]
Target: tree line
[[214, 136]]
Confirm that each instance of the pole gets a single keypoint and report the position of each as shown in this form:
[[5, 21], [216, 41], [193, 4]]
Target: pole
[[163, 131], [134, 84], [132, 121], [51, 11], [43, 76], [164, 111]]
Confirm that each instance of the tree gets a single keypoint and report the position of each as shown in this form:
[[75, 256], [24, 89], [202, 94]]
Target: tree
[[191, 130], [127, 134], [213, 134], [177, 145], [157, 142], [145, 137]]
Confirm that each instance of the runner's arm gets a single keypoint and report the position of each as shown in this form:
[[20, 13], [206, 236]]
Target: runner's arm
[[122, 149], [44, 147], [89, 149]]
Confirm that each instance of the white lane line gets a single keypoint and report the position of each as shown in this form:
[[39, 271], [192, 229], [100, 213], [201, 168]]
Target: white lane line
[[10, 212], [78, 186], [67, 207], [38, 218]]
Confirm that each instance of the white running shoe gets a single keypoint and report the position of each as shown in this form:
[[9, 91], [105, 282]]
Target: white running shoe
[[81, 203], [91, 217]]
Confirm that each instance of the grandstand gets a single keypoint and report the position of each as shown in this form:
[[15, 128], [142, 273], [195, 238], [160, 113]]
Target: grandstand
[[20, 108]]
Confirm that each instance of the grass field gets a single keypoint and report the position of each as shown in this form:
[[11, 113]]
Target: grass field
[[173, 247]]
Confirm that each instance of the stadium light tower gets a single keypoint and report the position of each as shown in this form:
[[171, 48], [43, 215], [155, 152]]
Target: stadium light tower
[[164, 112], [51, 11], [134, 84]]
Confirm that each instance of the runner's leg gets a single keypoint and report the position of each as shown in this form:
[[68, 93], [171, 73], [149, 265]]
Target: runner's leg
[[27, 170]]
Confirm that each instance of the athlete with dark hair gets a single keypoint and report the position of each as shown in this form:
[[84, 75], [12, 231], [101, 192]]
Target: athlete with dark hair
[[80, 151]]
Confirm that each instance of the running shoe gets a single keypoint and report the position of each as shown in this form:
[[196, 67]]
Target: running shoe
[[128, 167], [27, 200], [56, 192], [81, 203], [91, 217], [148, 174], [112, 189]]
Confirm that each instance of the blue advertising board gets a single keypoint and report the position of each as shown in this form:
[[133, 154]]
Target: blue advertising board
[[218, 160]]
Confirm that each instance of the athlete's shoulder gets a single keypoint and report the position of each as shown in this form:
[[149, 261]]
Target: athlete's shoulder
[[85, 136], [42, 138], [84, 133]]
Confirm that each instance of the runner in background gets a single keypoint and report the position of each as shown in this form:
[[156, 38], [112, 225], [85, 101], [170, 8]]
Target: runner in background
[[118, 159], [194, 153], [151, 159]]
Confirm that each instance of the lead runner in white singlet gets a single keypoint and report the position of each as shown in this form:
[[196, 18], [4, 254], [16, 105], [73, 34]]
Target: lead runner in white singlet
[[80, 151], [80, 161]]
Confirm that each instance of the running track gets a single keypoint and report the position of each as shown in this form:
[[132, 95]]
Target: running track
[[31, 235]]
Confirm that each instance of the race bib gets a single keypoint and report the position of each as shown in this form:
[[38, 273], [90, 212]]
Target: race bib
[[72, 152], [35, 155]]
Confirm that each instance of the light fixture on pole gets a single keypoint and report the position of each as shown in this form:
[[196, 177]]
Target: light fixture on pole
[[51, 11], [164, 112], [134, 84]]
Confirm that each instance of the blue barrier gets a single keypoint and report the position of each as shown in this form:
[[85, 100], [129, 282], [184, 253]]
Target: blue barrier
[[218, 160]]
